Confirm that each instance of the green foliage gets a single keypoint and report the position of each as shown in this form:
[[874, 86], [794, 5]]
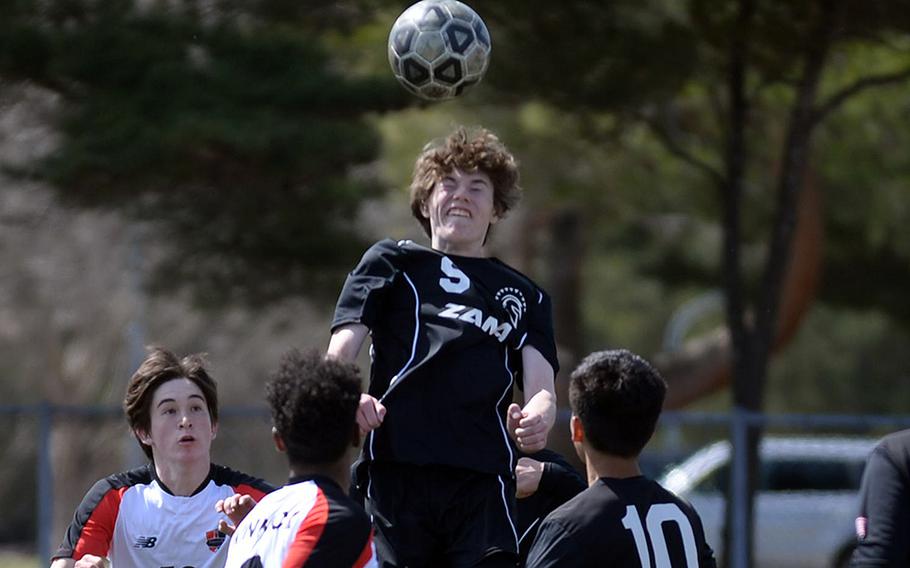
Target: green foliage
[[843, 361], [237, 131]]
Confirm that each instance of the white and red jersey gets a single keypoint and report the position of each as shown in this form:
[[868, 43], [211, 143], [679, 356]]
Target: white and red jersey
[[133, 519], [309, 522]]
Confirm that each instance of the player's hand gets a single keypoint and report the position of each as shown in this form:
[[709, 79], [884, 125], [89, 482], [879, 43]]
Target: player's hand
[[90, 561], [529, 426], [370, 413], [527, 477], [236, 507]]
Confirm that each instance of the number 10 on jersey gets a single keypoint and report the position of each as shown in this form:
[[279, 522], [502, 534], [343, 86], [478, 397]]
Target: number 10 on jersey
[[651, 535]]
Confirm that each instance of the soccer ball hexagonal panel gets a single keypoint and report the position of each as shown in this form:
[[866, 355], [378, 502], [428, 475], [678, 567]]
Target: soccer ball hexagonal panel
[[439, 48]]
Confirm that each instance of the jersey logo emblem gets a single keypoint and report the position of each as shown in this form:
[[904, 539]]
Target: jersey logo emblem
[[456, 281], [513, 302], [214, 539], [145, 542]]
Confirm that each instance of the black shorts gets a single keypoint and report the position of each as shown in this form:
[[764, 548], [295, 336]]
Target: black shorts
[[438, 516]]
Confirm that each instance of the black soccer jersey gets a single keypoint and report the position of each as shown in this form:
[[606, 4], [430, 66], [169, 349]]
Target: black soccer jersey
[[883, 525], [622, 522], [447, 335]]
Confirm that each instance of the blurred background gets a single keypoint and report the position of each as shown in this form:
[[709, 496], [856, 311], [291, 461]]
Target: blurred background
[[720, 186]]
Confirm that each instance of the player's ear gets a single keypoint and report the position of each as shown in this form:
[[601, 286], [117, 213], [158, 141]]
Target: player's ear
[[578, 431], [143, 436], [214, 430], [279, 441]]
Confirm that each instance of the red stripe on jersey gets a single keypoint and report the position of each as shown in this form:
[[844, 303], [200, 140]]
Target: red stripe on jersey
[[308, 534], [98, 531], [367, 553], [245, 489]]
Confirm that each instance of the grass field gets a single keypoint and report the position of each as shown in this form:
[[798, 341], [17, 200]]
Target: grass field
[[17, 560]]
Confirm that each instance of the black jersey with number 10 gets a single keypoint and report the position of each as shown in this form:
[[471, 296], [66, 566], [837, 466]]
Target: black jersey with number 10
[[623, 523], [447, 334]]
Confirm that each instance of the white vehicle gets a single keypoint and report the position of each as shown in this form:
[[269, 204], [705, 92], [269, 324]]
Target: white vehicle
[[806, 504]]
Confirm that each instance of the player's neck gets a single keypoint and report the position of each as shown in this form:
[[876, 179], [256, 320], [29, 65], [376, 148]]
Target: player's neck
[[599, 465], [458, 249], [339, 472], [183, 479]]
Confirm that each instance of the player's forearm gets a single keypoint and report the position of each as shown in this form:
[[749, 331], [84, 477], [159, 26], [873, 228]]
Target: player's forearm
[[63, 563]]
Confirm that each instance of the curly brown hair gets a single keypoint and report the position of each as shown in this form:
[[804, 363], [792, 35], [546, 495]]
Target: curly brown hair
[[314, 402], [469, 151], [158, 368]]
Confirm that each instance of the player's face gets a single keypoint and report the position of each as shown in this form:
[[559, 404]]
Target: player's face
[[460, 210], [181, 428]]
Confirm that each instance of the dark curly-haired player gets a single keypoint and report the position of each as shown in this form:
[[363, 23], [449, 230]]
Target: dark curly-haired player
[[452, 330], [173, 511], [622, 519], [310, 521]]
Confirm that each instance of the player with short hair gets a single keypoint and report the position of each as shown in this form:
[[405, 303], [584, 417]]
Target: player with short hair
[[623, 518], [310, 521], [452, 330], [883, 525], [175, 510]]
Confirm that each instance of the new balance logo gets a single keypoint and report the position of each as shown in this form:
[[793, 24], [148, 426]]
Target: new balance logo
[[145, 542]]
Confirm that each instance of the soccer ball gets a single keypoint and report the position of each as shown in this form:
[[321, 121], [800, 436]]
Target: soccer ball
[[439, 48]]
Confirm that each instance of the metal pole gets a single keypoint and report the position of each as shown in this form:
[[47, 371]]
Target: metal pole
[[739, 556], [135, 332], [45, 483]]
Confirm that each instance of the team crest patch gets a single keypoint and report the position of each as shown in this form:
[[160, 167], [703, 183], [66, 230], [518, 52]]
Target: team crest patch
[[214, 539], [513, 301]]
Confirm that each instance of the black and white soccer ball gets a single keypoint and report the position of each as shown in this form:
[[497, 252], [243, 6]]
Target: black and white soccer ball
[[439, 48]]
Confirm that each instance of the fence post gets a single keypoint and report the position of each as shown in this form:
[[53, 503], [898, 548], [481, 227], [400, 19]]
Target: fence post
[[739, 556], [45, 482]]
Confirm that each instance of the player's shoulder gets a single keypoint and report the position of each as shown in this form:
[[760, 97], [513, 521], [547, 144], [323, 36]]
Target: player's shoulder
[[223, 475], [141, 475], [520, 279], [897, 443], [590, 505], [342, 509], [111, 488], [387, 248]]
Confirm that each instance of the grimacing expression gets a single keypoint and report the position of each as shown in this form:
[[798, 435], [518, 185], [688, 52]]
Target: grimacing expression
[[460, 209], [181, 429]]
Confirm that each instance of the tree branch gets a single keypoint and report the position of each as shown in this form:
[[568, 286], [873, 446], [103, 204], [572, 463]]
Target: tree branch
[[671, 143], [838, 98]]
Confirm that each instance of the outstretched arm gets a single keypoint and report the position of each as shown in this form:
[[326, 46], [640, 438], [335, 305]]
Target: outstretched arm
[[345, 345], [530, 425]]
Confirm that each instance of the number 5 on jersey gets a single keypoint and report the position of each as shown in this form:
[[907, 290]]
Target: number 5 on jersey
[[651, 536], [457, 281]]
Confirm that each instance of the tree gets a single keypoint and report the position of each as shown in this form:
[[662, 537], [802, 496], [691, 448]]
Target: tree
[[760, 69], [232, 125]]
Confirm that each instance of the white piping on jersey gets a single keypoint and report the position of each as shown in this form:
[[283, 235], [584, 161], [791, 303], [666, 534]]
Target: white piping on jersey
[[370, 477], [502, 426], [528, 530], [539, 296], [505, 504], [522, 342], [397, 375]]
